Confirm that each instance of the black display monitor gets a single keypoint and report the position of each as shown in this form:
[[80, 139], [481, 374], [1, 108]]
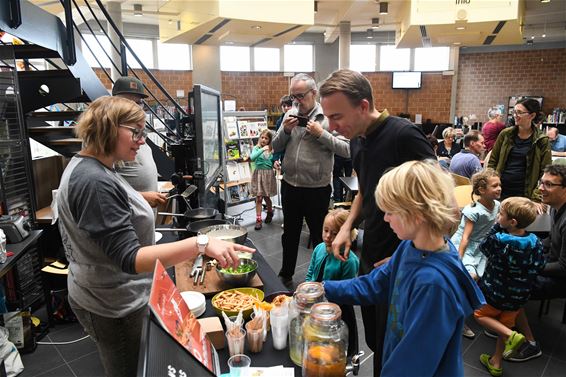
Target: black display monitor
[[208, 133], [406, 80]]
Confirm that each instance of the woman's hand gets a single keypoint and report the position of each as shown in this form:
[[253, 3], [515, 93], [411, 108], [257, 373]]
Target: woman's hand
[[226, 253]]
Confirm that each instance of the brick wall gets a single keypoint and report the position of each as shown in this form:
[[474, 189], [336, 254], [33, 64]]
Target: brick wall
[[432, 100], [487, 79], [169, 79], [255, 90]]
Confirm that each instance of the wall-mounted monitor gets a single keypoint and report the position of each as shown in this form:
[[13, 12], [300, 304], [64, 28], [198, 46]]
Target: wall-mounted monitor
[[406, 80]]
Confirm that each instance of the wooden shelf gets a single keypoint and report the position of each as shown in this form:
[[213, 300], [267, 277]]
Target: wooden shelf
[[235, 183]]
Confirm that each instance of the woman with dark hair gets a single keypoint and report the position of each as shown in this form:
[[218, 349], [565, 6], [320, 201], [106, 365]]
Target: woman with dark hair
[[521, 152]]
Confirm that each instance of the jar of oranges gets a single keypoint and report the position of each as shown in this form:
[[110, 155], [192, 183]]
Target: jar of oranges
[[325, 342]]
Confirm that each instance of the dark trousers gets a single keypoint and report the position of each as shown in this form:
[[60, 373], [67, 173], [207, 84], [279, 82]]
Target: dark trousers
[[342, 168], [375, 325], [298, 203]]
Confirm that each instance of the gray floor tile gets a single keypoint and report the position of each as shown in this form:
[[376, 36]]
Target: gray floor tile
[[44, 358], [62, 371], [472, 371], [529, 368], [88, 366], [73, 351], [555, 368]]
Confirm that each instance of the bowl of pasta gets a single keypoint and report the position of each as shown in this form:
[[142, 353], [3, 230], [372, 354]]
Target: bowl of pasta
[[231, 301]]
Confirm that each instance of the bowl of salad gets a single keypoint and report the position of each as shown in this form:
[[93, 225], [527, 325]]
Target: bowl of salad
[[240, 276]]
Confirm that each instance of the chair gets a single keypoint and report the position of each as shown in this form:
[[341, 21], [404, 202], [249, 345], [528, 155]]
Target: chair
[[463, 195], [460, 180]]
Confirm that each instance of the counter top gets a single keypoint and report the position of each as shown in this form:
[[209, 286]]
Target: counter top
[[19, 250]]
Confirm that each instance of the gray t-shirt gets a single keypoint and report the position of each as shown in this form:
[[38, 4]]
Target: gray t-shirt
[[141, 173], [103, 223]]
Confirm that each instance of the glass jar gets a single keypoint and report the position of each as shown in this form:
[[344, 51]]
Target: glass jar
[[325, 342], [306, 295]]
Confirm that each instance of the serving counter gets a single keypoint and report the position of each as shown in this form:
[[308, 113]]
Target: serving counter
[[268, 356]]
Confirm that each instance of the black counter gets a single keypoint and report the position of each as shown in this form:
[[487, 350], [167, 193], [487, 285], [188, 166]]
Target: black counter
[[19, 249]]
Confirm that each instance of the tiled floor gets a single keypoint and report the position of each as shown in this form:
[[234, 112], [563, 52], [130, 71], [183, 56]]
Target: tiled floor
[[81, 358]]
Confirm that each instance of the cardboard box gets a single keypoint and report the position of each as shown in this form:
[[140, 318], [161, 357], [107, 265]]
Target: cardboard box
[[213, 328]]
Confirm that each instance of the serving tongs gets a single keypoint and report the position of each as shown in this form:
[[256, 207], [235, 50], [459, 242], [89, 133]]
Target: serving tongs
[[198, 270]]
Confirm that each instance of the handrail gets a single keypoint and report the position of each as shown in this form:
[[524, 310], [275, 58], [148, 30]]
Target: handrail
[[147, 71]]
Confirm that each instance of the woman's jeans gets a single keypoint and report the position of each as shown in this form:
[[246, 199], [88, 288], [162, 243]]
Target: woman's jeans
[[117, 339]]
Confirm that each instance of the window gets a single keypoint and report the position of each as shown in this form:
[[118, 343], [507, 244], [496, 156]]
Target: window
[[234, 58], [94, 49], [432, 58], [173, 56], [394, 59], [266, 59], [298, 58], [143, 49], [362, 58]]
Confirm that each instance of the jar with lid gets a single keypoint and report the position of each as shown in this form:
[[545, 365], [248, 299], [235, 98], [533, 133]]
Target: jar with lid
[[306, 295], [325, 342]]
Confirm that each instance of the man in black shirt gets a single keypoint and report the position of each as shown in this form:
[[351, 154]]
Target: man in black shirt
[[378, 142]]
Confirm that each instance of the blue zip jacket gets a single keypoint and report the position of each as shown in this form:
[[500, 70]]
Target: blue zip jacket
[[429, 295]]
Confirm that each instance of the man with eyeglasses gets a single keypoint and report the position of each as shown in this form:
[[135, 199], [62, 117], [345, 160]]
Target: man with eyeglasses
[[140, 173], [551, 282], [305, 188]]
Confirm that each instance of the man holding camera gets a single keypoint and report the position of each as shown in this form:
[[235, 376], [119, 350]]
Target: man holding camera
[[305, 188]]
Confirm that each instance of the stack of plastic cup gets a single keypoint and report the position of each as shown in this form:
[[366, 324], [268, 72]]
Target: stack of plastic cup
[[236, 339], [279, 318]]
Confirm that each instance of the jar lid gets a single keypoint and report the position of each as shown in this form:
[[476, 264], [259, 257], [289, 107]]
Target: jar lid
[[309, 292], [326, 311]]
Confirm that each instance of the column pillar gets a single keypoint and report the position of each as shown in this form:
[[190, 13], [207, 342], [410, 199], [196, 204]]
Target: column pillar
[[206, 66], [115, 10], [344, 42]]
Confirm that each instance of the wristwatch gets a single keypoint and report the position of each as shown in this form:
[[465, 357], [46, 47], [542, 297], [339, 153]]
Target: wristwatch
[[202, 242]]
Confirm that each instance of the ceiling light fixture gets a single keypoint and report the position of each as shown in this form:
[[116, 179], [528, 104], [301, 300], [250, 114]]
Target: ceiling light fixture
[[375, 23], [138, 10], [460, 28], [383, 7], [315, 6], [545, 1], [457, 43], [170, 21], [544, 32], [256, 27]]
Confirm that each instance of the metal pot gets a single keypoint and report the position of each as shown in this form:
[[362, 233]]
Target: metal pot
[[194, 214], [195, 227], [227, 232]]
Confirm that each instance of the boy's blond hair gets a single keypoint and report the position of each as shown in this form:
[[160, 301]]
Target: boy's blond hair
[[523, 210], [338, 217], [98, 125], [419, 188]]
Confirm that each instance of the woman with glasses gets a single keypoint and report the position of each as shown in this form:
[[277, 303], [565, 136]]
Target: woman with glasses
[[521, 152], [108, 234], [448, 147]]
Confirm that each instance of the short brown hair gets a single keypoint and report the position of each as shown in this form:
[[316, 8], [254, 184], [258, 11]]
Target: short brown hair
[[523, 210], [473, 135], [355, 86], [98, 125]]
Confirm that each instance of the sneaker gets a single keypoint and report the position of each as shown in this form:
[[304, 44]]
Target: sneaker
[[269, 217], [484, 359], [257, 224], [468, 333], [526, 352], [490, 334], [512, 343]]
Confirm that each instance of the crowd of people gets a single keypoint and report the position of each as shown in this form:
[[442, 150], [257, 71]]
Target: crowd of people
[[424, 267]]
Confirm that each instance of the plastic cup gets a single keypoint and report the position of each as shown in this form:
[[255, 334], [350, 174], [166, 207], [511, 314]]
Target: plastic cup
[[255, 339], [239, 365], [236, 342], [279, 319]]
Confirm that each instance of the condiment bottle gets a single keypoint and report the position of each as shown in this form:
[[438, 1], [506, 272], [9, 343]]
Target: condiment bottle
[[325, 342], [306, 295]]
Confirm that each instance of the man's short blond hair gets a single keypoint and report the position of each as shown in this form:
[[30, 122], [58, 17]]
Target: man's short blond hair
[[355, 86], [523, 210], [98, 125], [419, 189]]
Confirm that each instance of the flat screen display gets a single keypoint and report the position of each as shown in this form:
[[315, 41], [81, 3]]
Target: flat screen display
[[406, 80], [208, 132]]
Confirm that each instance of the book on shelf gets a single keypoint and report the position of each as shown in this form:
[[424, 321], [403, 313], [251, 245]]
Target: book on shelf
[[244, 191], [231, 128], [232, 150], [261, 126], [244, 170], [233, 171], [234, 194], [246, 147], [243, 129], [253, 130]]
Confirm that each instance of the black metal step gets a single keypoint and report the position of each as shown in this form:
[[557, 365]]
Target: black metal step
[[47, 74], [31, 51], [50, 130], [47, 116]]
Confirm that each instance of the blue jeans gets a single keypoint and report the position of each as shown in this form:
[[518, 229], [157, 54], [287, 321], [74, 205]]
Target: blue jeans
[[117, 339]]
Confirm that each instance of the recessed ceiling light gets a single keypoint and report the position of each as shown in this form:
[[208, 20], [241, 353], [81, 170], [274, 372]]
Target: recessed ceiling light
[[532, 37], [545, 1], [256, 27], [457, 43], [460, 28], [383, 7], [544, 35]]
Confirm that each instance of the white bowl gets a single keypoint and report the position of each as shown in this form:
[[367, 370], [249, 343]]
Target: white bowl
[[195, 301]]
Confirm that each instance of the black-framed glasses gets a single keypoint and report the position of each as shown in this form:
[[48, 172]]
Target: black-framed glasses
[[549, 185], [519, 113], [299, 96], [137, 133]]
